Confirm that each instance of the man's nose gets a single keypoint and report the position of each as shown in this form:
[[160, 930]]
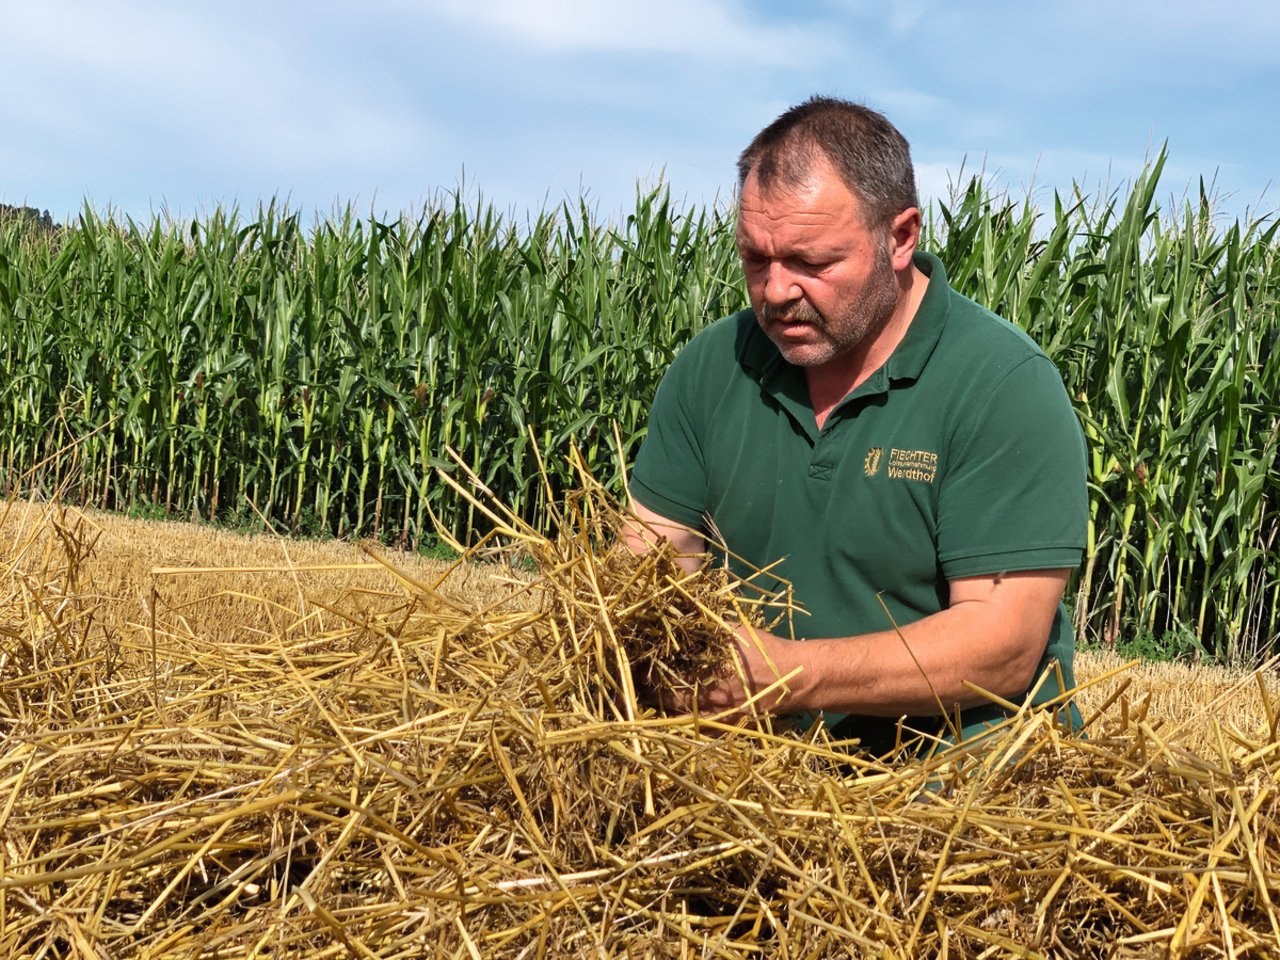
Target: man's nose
[[780, 285]]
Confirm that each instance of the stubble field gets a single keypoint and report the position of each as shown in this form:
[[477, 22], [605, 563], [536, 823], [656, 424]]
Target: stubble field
[[238, 588], [233, 746]]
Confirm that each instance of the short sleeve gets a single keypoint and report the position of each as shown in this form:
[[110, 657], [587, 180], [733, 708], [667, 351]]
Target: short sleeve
[[1014, 495], [669, 476]]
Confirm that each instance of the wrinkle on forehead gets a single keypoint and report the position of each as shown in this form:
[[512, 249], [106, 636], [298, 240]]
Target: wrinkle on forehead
[[813, 212], [779, 215]]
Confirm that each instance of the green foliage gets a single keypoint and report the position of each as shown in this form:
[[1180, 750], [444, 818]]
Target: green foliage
[[1165, 329], [1174, 646], [320, 373], [146, 510], [435, 548]]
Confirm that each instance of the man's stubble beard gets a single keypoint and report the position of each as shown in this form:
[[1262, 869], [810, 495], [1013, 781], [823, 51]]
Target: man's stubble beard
[[863, 318]]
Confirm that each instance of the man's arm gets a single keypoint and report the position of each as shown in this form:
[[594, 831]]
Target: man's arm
[[642, 530], [992, 635]]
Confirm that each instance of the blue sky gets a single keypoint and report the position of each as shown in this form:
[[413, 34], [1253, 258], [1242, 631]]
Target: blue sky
[[143, 106]]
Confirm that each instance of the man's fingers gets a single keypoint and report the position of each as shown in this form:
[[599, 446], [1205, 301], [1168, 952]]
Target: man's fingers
[[712, 698], [664, 698]]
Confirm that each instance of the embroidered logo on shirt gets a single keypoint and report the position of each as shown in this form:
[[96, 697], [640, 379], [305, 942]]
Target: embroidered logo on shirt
[[871, 464], [921, 465]]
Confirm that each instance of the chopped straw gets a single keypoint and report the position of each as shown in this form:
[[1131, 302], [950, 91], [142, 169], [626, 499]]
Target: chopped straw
[[408, 772]]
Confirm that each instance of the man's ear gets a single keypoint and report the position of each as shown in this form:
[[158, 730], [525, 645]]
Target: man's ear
[[904, 235]]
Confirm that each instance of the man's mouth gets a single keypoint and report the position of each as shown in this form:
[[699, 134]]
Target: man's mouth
[[800, 316], [792, 323], [792, 328]]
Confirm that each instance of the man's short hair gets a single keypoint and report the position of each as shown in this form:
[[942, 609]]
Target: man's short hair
[[871, 156]]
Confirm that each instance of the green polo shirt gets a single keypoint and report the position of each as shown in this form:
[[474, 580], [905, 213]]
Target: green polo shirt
[[961, 456]]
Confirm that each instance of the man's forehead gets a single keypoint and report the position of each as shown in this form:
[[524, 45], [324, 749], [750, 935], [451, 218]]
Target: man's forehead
[[796, 212], [755, 219], [791, 190], [819, 194]]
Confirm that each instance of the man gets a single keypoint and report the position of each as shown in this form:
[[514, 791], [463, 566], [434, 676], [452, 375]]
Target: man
[[911, 459]]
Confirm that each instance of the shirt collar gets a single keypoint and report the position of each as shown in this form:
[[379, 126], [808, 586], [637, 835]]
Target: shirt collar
[[909, 357]]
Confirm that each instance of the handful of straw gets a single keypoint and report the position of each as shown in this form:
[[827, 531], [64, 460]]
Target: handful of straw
[[657, 628]]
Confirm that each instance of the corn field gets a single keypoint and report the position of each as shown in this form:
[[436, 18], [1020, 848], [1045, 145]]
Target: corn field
[[240, 366]]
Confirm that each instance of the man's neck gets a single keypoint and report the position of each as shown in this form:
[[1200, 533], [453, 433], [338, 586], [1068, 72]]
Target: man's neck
[[832, 382]]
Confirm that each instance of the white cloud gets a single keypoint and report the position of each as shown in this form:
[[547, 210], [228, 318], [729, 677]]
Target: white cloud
[[1096, 177], [167, 85], [899, 17], [711, 29], [323, 98], [905, 14], [937, 181], [903, 103], [1190, 24]]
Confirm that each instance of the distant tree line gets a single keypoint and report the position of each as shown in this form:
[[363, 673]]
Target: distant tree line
[[39, 219]]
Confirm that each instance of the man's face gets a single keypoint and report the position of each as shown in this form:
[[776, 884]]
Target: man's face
[[820, 282]]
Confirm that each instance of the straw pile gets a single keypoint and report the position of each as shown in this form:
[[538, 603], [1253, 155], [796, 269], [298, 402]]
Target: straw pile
[[409, 772]]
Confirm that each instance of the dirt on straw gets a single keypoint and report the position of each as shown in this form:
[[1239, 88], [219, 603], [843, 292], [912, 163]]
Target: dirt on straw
[[360, 757]]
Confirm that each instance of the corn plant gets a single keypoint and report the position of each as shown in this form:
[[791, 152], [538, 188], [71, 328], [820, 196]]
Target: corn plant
[[317, 374]]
